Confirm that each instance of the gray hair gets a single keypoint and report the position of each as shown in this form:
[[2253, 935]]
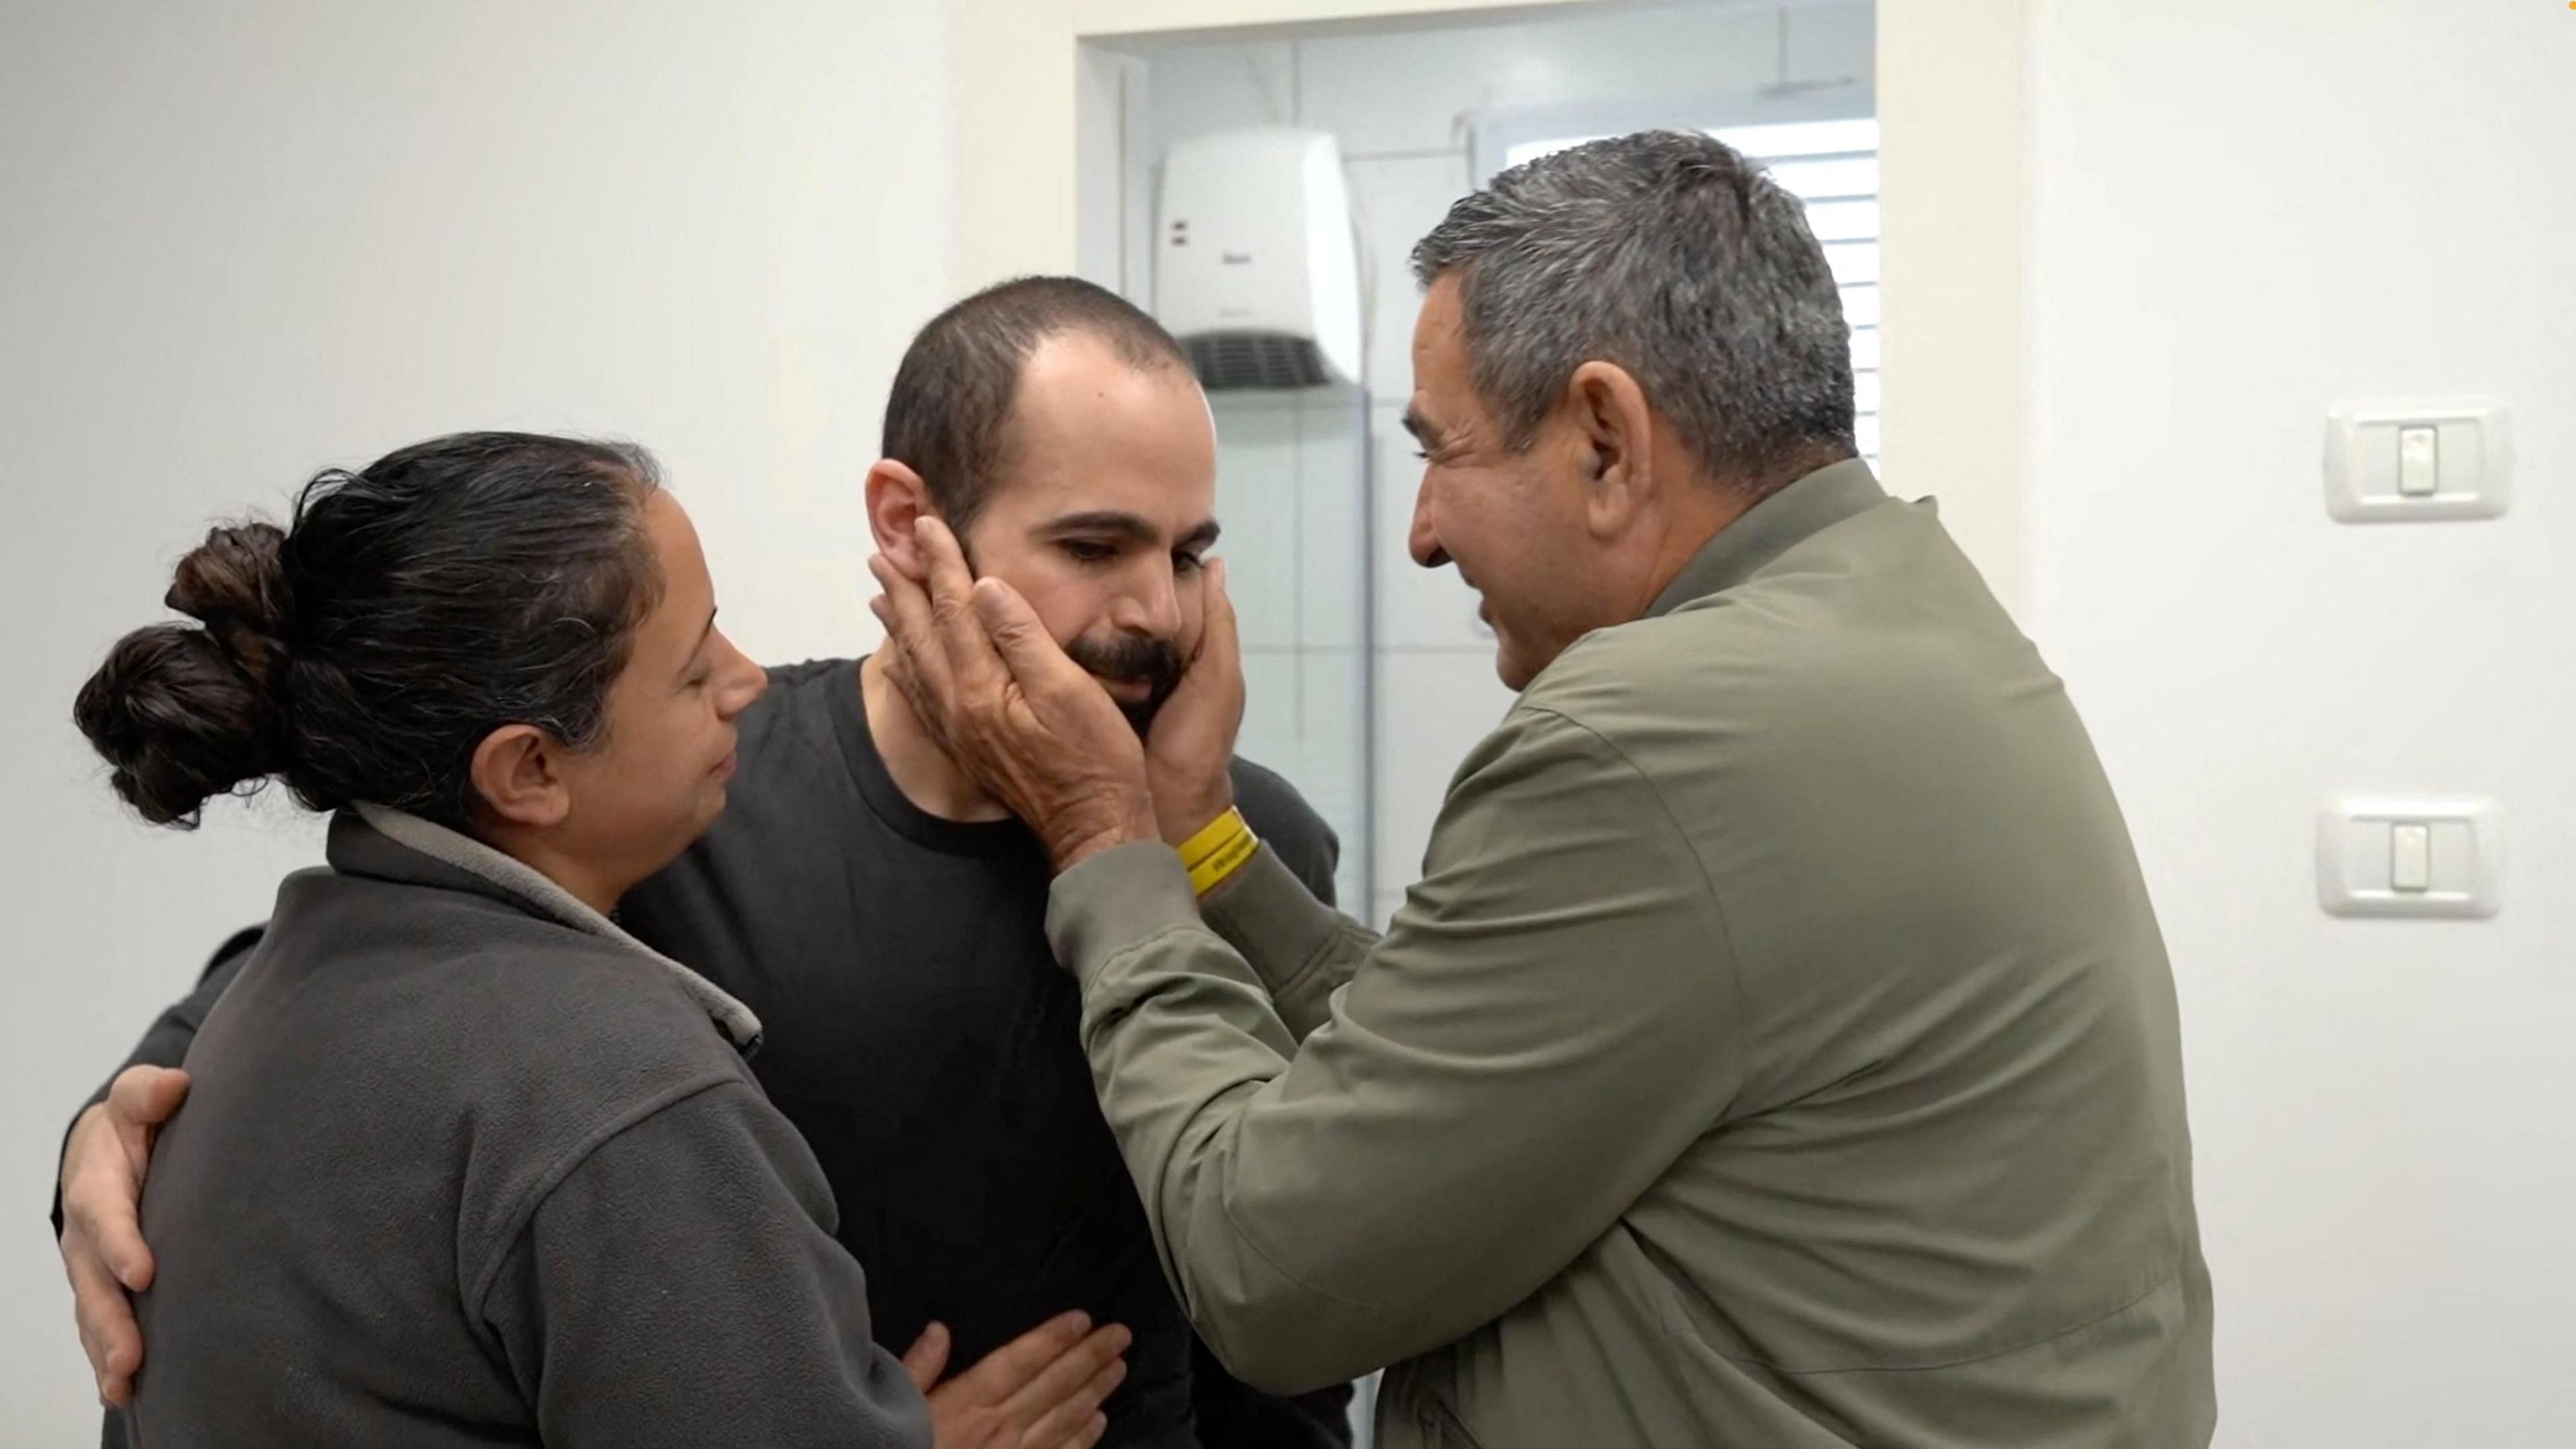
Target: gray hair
[[1672, 256]]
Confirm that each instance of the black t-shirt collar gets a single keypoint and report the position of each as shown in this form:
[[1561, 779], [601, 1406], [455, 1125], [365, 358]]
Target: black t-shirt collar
[[991, 838]]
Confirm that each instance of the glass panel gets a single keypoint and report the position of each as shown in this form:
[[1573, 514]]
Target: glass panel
[[1860, 306], [1864, 349], [1843, 220], [1803, 138], [1532, 150], [1816, 179], [1853, 262], [1865, 391]]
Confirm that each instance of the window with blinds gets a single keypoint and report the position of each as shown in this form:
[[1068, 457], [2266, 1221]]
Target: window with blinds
[[1832, 166]]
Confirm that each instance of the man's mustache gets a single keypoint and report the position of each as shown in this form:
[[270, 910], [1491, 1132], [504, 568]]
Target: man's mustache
[[1125, 657], [1133, 658]]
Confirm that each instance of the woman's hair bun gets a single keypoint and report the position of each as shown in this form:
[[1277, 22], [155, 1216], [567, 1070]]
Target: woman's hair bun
[[184, 713]]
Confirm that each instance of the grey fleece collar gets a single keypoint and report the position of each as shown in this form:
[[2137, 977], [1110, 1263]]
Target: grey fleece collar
[[526, 885]]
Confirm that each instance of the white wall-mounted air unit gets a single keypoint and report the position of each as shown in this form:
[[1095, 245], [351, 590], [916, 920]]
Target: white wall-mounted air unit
[[1257, 272]]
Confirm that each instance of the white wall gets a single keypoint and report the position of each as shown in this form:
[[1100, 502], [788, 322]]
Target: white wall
[[1404, 105], [2242, 213], [241, 242], [1953, 199]]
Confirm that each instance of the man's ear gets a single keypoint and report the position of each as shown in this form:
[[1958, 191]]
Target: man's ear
[[518, 771], [897, 499], [1615, 429]]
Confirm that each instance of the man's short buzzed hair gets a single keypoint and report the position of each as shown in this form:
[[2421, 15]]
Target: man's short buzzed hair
[[948, 415]]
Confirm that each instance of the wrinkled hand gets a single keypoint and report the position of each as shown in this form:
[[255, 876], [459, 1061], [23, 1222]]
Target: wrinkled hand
[[1005, 702], [1190, 751], [1042, 1390], [104, 1161]]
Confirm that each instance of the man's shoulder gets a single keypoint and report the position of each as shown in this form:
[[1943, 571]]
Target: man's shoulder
[[1877, 631], [789, 741], [797, 692], [1291, 827], [805, 672]]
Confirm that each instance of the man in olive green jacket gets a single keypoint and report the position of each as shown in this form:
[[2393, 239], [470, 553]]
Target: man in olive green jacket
[[1779, 1049]]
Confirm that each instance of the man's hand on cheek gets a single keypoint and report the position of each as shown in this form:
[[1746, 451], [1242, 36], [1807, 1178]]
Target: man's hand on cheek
[[1189, 754], [1009, 705]]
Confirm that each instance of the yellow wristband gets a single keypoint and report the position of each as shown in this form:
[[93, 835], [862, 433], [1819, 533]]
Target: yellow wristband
[[1218, 851], [1211, 838]]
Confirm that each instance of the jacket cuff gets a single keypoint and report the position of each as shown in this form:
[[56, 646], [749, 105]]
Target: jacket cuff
[[1117, 900], [1269, 916]]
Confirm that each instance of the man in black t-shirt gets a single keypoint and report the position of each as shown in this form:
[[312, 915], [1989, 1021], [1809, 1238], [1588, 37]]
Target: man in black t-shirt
[[885, 919], [922, 1037]]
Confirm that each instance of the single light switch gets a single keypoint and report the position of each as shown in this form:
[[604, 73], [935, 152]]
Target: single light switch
[[2399, 462], [2422, 856], [2419, 462], [2410, 857]]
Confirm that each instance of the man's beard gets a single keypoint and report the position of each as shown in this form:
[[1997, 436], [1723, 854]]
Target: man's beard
[[1132, 658]]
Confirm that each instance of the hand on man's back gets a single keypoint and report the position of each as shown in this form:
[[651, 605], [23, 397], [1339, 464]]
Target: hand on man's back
[[104, 1161]]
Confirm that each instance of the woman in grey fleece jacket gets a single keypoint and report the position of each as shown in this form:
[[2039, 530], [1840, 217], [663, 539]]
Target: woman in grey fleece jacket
[[546, 1202]]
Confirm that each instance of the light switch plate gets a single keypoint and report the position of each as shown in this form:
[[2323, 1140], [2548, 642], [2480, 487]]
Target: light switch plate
[[2369, 478], [2360, 861]]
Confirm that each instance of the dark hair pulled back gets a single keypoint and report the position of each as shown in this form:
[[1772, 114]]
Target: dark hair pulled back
[[406, 611]]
